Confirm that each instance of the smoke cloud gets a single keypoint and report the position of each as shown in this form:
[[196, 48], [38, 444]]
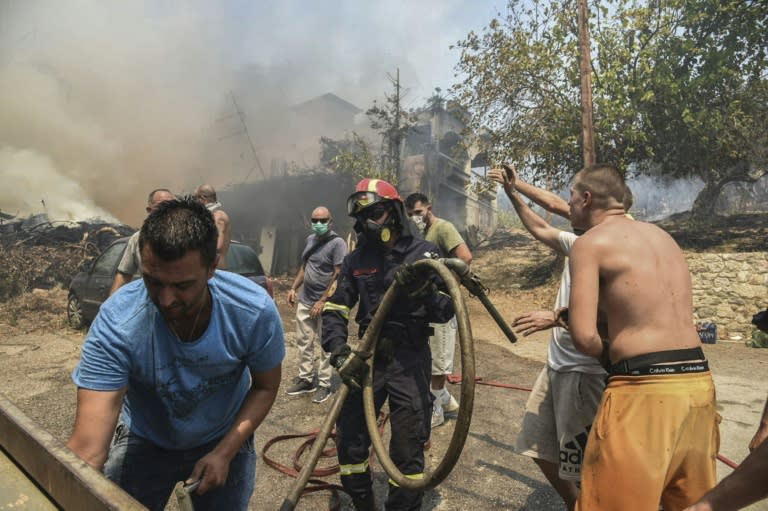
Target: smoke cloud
[[100, 103], [655, 198], [103, 101], [61, 197]]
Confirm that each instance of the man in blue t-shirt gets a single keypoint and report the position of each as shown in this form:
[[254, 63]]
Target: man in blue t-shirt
[[178, 370]]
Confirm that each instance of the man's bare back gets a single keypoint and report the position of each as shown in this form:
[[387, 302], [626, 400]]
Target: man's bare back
[[645, 286], [207, 195], [659, 407], [225, 236], [629, 275]]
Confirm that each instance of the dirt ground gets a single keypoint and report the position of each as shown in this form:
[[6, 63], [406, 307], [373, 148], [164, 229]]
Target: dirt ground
[[38, 352]]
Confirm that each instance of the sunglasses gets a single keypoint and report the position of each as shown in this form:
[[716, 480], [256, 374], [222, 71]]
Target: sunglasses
[[320, 220]]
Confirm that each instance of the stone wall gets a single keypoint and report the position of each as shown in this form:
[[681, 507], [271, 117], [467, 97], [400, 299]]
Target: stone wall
[[728, 289]]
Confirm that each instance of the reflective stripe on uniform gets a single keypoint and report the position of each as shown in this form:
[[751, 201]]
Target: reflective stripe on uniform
[[416, 477], [341, 309], [358, 468]]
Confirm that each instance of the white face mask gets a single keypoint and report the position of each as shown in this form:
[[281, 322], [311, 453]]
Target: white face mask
[[421, 224]]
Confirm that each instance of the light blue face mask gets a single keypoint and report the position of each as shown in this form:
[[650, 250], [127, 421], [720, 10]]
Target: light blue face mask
[[319, 228]]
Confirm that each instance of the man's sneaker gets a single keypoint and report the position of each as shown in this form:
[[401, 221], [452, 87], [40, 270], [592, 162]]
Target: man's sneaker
[[450, 405], [322, 394], [300, 386], [437, 414]]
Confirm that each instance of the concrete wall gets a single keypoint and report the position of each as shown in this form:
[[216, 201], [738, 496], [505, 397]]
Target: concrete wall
[[728, 289]]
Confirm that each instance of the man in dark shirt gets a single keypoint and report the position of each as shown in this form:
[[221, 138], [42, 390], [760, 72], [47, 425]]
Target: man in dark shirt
[[402, 363]]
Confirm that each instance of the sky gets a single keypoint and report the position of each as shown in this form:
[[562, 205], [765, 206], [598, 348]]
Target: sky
[[103, 101]]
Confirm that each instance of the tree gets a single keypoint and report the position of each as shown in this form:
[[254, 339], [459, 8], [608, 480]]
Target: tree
[[679, 88], [393, 124], [354, 157], [436, 102]]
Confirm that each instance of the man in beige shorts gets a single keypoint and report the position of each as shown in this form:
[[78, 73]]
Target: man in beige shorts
[[442, 343], [567, 392]]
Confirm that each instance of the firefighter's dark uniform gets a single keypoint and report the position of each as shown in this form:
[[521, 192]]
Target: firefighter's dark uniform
[[402, 367]]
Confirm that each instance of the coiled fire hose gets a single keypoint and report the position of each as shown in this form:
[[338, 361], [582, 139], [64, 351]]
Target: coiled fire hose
[[368, 344]]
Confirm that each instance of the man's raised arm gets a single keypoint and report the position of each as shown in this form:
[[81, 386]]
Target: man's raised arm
[[544, 198], [537, 226]]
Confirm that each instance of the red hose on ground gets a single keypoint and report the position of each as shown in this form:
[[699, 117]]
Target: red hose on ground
[[728, 462], [314, 484], [320, 485], [456, 378]]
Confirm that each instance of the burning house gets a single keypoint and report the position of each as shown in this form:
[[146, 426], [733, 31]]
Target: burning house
[[272, 214]]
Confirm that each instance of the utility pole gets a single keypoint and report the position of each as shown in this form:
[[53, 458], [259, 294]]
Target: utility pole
[[395, 151], [392, 123], [585, 70]]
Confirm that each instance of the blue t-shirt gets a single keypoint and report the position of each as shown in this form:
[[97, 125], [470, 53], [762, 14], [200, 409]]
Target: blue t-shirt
[[182, 394]]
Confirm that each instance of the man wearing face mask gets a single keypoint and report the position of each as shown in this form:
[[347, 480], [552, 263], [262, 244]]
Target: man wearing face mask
[[321, 261], [443, 343], [401, 367]]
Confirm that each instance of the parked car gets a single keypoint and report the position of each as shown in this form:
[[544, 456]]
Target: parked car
[[90, 287]]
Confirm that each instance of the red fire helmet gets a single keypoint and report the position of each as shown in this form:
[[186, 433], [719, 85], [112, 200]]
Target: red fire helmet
[[369, 192]]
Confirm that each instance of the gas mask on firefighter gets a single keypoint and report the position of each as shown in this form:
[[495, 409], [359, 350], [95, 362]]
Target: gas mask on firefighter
[[370, 220]]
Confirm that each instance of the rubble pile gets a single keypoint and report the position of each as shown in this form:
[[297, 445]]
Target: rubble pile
[[39, 254]]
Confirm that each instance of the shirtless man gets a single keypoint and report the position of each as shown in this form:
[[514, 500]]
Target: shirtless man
[[655, 436], [207, 195]]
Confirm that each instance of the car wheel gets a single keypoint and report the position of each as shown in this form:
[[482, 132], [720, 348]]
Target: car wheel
[[75, 312]]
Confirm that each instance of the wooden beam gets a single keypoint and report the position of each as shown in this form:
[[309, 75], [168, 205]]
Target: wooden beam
[[66, 479]]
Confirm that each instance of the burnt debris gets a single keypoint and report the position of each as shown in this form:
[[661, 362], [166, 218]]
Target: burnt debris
[[36, 252]]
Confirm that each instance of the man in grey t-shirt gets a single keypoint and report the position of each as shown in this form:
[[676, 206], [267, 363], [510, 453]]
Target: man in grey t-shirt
[[130, 264], [320, 265]]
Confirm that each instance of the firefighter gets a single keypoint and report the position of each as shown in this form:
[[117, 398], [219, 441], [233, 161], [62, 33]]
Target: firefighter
[[387, 243]]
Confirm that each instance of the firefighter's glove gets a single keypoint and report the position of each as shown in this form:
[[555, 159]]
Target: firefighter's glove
[[414, 283], [350, 365]]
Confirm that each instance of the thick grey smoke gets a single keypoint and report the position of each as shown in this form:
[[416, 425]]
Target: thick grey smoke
[[654, 198], [102, 102]]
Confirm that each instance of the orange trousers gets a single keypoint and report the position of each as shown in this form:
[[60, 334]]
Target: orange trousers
[[655, 440]]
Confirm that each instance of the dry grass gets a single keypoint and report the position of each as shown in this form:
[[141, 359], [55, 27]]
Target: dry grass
[[39, 310], [734, 233], [25, 268]]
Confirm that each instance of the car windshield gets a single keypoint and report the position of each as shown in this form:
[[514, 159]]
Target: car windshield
[[242, 259]]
